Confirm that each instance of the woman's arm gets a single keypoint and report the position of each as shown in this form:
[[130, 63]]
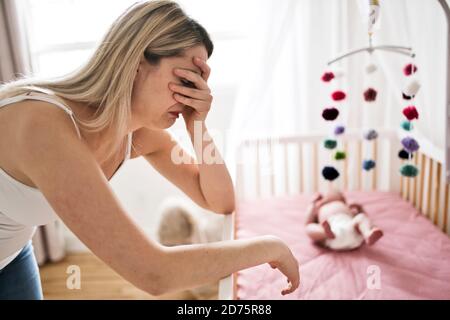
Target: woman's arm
[[64, 169], [208, 185], [214, 178]]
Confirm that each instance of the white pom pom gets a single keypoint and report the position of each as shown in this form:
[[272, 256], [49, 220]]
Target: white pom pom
[[412, 88], [371, 68]]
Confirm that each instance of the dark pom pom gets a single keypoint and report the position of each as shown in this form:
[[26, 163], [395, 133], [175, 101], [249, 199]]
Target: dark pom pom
[[407, 97], [369, 165], [330, 144], [328, 76], [404, 155], [411, 113], [409, 170], [330, 114], [338, 96], [330, 173], [409, 69], [370, 95]]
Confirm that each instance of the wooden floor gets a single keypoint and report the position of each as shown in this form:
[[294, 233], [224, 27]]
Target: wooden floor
[[99, 282]]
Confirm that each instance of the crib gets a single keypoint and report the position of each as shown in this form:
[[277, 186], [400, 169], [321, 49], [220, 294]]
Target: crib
[[276, 179], [281, 174]]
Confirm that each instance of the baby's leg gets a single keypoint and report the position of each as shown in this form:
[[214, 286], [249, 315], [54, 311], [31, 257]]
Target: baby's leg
[[365, 228], [316, 232]]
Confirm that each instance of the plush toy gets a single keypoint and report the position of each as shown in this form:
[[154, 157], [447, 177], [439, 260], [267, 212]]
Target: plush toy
[[330, 114], [338, 95], [333, 223], [370, 95], [330, 173]]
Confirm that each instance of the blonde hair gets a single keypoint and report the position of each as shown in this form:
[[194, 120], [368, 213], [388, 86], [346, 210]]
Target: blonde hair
[[150, 29]]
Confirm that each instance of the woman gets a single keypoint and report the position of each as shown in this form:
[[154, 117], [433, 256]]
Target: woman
[[67, 137]]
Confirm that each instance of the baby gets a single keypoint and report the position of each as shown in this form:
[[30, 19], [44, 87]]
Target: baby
[[337, 225]]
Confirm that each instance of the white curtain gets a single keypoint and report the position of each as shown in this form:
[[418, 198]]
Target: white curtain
[[15, 61], [281, 92]]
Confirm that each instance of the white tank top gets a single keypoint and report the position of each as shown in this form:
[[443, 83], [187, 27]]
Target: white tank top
[[23, 208]]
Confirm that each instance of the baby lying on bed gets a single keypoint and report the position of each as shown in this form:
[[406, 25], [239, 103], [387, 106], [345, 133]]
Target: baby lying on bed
[[337, 225]]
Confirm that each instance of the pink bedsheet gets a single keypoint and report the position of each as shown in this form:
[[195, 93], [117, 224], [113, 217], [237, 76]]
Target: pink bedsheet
[[413, 257]]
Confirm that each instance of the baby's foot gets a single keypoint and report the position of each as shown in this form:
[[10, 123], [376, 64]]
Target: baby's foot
[[327, 228], [374, 236]]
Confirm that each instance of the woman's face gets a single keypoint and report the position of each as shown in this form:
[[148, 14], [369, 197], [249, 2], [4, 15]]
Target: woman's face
[[153, 104]]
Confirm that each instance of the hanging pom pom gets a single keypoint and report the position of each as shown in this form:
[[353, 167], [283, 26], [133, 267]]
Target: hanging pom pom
[[330, 114], [405, 97], [330, 173], [411, 113], [340, 155], [339, 130], [330, 144], [405, 155], [369, 165], [328, 76], [409, 170], [409, 69], [338, 95], [407, 125], [411, 89], [371, 68], [410, 144], [370, 95], [371, 135]]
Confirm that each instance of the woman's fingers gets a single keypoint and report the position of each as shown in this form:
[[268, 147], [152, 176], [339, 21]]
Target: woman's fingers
[[195, 78], [198, 105], [206, 70], [190, 92]]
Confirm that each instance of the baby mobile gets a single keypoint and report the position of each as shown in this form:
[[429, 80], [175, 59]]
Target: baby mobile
[[331, 114]]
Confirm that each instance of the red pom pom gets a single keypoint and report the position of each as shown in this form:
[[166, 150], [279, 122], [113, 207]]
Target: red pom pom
[[328, 76], [338, 96], [370, 95], [410, 69], [411, 113]]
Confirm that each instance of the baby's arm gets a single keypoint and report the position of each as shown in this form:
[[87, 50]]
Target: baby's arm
[[312, 212]]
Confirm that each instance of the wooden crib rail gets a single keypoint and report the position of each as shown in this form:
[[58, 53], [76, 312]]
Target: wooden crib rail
[[270, 161], [429, 192], [293, 164]]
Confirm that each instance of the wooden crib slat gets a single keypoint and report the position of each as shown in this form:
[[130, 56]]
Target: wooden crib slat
[[446, 205], [258, 170], [375, 158], [286, 166], [345, 173], [315, 172], [414, 194], [421, 182], [301, 171], [359, 164], [437, 193], [272, 167], [402, 182], [408, 180], [430, 189]]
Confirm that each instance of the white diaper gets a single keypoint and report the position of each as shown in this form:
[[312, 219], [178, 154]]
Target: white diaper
[[346, 237]]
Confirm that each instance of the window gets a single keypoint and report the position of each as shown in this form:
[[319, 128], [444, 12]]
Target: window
[[64, 33]]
